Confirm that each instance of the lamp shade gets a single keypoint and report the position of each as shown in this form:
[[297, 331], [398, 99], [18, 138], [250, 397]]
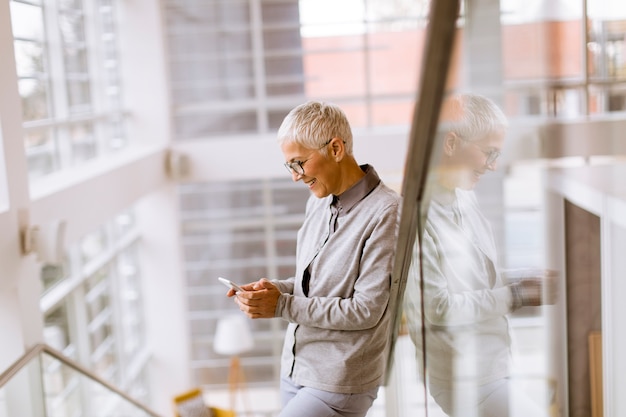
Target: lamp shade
[[233, 335]]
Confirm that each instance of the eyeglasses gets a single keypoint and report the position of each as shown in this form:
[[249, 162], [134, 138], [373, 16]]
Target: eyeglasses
[[297, 166], [491, 155]]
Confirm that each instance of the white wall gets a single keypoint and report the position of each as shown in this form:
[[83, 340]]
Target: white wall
[[20, 325], [260, 157], [163, 284]]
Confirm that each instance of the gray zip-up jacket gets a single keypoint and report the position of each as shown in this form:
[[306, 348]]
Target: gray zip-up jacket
[[338, 335]]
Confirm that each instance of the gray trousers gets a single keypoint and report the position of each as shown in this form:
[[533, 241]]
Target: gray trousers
[[299, 401]]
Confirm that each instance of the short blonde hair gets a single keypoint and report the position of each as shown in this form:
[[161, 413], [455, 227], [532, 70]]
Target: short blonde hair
[[313, 124], [471, 116]]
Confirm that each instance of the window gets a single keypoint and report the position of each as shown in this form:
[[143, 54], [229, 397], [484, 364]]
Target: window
[[607, 66], [93, 307], [238, 66], [242, 231], [69, 82], [540, 83]]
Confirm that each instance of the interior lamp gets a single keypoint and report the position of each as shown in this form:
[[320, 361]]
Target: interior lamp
[[233, 337]]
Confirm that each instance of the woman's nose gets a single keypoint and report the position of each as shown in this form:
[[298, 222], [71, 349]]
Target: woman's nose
[[295, 176]]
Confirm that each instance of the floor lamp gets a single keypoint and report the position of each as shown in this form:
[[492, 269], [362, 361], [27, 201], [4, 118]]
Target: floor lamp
[[233, 337]]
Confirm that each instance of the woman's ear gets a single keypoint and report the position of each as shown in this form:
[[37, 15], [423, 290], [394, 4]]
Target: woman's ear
[[450, 143], [336, 149]]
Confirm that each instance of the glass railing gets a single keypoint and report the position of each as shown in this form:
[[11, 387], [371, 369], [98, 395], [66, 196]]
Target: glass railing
[[510, 223], [44, 383]]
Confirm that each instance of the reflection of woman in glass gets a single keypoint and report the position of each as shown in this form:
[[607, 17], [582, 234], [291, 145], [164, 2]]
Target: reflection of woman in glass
[[465, 297]]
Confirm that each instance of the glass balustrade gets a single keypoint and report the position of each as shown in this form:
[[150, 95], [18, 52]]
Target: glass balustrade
[[44, 383]]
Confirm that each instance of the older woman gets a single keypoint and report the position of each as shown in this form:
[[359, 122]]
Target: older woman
[[338, 302]]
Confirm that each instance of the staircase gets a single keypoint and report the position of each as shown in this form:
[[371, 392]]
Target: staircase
[[45, 383]]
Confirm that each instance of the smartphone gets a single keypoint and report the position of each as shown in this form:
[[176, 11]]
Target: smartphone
[[231, 284]]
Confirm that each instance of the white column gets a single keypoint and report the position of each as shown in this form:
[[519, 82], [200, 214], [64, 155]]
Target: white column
[[146, 93], [20, 319], [163, 284]]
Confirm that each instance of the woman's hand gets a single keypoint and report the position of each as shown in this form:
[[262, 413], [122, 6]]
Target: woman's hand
[[259, 299]]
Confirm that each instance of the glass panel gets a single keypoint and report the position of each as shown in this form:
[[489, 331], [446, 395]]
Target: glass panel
[[53, 274], [70, 393], [240, 244], [29, 57], [283, 50], [83, 141], [139, 386], [24, 394], [305, 49], [285, 249], [100, 323], [107, 17], [394, 112], [75, 59], [211, 62], [57, 329], [215, 201], [42, 58], [78, 95], [243, 231], [607, 36], [97, 298], [484, 300], [49, 387], [115, 130], [212, 59], [113, 81], [391, 30], [194, 126], [34, 93], [131, 304], [318, 20], [31, 13], [287, 200], [103, 358], [346, 77], [92, 245], [41, 152], [471, 292], [72, 26], [69, 4]]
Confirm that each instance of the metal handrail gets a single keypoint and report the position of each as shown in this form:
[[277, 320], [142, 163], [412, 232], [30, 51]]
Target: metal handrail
[[38, 349]]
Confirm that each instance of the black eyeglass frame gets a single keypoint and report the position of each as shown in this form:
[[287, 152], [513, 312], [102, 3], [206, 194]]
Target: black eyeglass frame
[[297, 166]]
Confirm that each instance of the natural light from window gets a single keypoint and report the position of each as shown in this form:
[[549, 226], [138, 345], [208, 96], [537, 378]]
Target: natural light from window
[[68, 75]]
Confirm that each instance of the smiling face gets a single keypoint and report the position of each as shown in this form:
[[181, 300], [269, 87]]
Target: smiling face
[[466, 161], [321, 174]]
